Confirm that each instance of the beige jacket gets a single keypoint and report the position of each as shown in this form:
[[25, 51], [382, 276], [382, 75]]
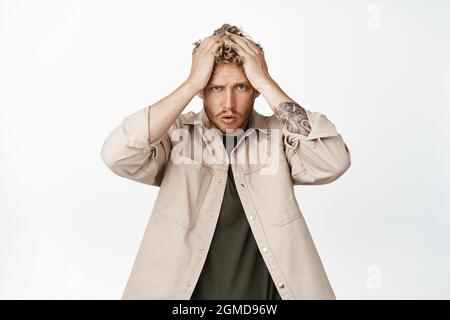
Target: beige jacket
[[180, 229]]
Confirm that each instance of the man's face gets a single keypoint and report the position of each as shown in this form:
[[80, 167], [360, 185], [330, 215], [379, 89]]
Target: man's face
[[228, 98]]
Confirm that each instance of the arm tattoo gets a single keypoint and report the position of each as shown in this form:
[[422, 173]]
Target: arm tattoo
[[293, 117]]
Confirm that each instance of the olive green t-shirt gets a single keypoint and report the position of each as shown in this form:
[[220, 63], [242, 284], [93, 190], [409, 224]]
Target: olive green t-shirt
[[234, 267]]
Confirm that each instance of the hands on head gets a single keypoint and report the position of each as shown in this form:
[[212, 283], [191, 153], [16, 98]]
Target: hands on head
[[218, 47]]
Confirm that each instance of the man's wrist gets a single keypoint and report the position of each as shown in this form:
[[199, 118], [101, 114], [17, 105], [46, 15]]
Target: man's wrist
[[265, 84], [190, 85]]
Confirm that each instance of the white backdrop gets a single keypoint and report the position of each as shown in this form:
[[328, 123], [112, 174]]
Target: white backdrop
[[72, 70]]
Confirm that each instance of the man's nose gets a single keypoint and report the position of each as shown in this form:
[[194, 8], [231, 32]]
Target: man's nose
[[229, 99]]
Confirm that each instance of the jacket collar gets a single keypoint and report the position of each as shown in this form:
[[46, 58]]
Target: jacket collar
[[256, 120]]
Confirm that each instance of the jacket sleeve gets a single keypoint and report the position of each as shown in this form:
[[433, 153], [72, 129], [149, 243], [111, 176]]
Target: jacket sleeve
[[318, 158], [128, 153]]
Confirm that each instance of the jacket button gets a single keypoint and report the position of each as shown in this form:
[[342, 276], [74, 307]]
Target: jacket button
[[252, 218], [220, 180], [211, 215], [265, 250], [281, 285], [242, 186], [201, 249]]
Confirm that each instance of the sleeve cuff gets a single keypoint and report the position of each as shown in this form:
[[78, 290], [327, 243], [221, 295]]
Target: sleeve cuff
[[136, 131], [320, 127]]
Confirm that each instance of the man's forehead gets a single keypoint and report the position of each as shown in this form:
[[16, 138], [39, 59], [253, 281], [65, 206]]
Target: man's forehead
[[225, 82], [229, 74]]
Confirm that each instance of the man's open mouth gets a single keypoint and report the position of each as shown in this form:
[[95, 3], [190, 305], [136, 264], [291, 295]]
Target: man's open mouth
[[228, 119]]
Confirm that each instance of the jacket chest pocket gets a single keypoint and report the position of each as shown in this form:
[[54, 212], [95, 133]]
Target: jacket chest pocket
[[182, 192], [273, 192]]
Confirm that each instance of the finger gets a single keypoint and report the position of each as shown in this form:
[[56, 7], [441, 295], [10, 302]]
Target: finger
[[253, 45], [245, 44], [213, 41], [241, 51], [256, 49], [214, 47], [204, 43]]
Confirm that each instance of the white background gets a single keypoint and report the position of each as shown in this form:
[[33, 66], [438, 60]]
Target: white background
[[70, 71]]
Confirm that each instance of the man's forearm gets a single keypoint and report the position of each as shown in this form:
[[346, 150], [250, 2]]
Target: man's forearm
[[164, 113], [291, 115]]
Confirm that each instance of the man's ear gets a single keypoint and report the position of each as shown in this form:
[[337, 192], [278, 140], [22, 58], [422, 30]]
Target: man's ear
[[256, 94]]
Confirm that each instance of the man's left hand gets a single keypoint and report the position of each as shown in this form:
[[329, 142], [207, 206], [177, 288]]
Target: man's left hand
[[254, 63]]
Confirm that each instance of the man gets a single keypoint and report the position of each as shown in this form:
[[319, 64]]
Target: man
[[226, 224]]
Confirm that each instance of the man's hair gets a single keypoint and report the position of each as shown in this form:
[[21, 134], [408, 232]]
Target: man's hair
[[226, 54]]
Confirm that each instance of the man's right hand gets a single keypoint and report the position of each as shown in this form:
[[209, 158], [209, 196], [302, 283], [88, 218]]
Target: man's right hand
[[203, 62]]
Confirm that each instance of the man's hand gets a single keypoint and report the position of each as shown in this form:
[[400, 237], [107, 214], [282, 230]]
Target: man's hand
[[291, 115], [254, 63], [203, 62]]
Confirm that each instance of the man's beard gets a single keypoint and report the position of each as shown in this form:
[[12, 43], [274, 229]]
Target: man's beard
[[244, 126]]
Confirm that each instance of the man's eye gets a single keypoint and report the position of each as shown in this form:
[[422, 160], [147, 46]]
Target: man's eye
[[215, 87], [243, 86]]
